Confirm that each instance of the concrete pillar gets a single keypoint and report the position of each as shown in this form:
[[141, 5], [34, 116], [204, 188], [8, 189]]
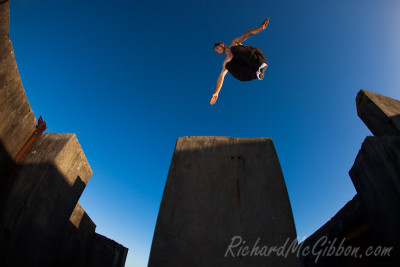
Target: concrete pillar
[[381, 114], [219, 188]]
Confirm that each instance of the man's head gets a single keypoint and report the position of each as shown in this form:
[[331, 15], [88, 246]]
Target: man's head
[[219, 48]]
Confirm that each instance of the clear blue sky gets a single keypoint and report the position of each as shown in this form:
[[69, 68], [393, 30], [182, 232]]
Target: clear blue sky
[[130, 77]]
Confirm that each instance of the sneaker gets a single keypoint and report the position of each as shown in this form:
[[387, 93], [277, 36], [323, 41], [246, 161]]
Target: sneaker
[[261, 70]]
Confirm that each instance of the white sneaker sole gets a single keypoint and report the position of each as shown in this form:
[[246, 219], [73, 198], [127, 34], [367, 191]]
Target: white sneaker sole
[[259, 70]]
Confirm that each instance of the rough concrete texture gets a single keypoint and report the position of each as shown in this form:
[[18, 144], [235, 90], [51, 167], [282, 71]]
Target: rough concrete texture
[[381, 114], [47, 186], [376, 177], [218, 188], [17, 119]]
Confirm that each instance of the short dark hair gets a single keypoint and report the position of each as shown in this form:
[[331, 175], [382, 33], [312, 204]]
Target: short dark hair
[[217, 44]]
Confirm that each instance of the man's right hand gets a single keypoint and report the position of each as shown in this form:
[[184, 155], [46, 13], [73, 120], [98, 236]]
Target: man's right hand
[[213, 99]]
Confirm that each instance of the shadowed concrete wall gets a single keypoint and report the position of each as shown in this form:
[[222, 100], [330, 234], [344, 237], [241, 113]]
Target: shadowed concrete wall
[[348, 228], [104, 250], [372, 218], [376, 177], [77, 237], [218, 188], [376, 170], [41, 222], [47, 186]]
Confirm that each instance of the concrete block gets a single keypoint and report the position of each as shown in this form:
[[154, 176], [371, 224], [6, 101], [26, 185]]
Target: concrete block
[[46, 188], [376, 177], [381, 114], [218, 188]]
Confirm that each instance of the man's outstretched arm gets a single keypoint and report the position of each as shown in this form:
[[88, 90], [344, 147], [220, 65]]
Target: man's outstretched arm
[[249, 33], [218, 87]]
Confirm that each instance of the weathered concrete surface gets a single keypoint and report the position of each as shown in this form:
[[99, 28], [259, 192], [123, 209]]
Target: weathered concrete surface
[[381, 114], [106, 252], [46, 189], [17, 119], [376, 177], [218, 188]]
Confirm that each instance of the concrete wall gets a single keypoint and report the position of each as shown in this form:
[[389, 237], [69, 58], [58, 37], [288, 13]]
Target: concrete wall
[[41, 221], [376, 170], [349, 227], [376, 177], [17, 119], [218, 188]]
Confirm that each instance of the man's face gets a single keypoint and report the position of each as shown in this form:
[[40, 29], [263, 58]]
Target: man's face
[[219, 49]]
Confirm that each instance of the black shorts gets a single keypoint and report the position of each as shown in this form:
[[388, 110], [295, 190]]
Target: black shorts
[[245, 62]]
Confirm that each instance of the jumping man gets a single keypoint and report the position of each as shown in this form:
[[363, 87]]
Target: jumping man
[[245, 63]]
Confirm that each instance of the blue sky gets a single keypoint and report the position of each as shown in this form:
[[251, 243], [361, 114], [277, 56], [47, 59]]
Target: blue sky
[[130, 77]]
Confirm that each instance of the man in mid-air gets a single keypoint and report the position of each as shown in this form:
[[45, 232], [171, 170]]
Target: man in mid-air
[[245, 63]]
